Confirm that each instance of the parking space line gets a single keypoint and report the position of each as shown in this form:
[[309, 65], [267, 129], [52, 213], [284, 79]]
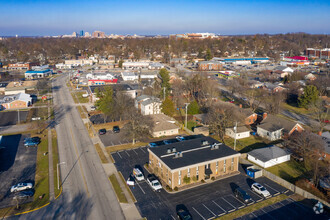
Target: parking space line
[[296, 203], [135, 152], [254, 215], [209, 210], [142, 149], [140, 187], [240, 202], [198, 213], [283, 205], [229, 204], [120, 143], [119, 155], [173, 217], [267, 214], [112, 143], [274, 190], [127, 153], [219, 207]]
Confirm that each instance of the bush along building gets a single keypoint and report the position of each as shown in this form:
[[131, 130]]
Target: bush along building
[[183, 163]]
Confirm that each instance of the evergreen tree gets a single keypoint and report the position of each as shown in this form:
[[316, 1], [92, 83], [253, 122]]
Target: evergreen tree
[[309, 97], [193, 108], [168, 107]]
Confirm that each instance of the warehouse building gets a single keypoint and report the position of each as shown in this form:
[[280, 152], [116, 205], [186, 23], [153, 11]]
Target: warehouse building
[[185, 162]]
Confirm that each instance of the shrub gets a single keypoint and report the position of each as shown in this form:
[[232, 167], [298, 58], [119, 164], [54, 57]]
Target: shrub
[[176, 188], [194, 178], [202, 181], [186, 180], [213, 178]]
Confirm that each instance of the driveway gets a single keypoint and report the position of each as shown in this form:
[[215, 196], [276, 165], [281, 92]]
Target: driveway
[[18, 164], [112, 139], [204, 202]]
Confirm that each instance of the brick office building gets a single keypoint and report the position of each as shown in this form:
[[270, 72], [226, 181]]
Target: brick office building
[[209, 66], [22, 66], [196, 159]]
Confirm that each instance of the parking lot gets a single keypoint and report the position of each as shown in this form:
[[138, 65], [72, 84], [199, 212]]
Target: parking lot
[[204, 202], [11, 118], [286, 209], [17, 165], [111, 138]]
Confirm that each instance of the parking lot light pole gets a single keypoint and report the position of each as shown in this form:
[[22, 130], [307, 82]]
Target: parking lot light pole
[[186, 113], [58, 175]]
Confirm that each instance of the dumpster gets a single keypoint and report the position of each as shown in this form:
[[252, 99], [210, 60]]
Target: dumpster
[[253, 171]]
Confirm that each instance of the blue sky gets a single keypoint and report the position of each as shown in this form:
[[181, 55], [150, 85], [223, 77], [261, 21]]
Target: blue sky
[[54, 17]]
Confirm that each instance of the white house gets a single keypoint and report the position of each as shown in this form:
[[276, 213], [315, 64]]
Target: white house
[[241, 132], [163, 126], [129, 76], [148, 105], [268, 156]]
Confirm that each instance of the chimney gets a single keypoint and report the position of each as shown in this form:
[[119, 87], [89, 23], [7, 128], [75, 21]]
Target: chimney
[[173, 150], [264, 116]]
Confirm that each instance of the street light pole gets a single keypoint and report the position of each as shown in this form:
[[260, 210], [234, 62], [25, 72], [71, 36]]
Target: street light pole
[[186, 113], [235, 129], [58, 175]]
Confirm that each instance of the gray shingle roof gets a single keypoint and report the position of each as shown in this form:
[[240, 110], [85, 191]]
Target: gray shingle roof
[[268, 153], [273, 123], [194, 152]]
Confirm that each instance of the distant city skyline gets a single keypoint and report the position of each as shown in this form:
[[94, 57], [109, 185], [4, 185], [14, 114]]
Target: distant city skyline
[[59, 17]]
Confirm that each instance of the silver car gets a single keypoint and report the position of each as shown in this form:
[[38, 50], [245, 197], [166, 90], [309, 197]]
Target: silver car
[[21, 187], [258, 188]]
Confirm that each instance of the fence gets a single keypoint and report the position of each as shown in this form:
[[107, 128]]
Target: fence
[[293, 187]]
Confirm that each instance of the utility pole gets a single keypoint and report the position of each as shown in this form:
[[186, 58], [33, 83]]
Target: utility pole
[[235, 129], [186, 113]]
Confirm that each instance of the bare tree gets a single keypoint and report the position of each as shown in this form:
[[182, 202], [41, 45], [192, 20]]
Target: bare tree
[[320, 111], [273, 102]]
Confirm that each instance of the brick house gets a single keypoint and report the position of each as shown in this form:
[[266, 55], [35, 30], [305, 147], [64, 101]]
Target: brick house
[[209, 66], [194, 160], [250, 116], [17, 101]]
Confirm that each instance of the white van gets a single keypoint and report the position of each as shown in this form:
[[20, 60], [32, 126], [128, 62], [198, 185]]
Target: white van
[[138, 174]]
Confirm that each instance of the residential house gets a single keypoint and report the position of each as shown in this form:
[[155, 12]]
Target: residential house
[[163, 125], [241, 132], [174, 62], [155, 66], [283, 71], [130, 90], [274, 87], [310, 77], [148, 105], [3, 88], [199, 159], [250, 116], [274, 128], [201, 119], [268, 156], [17, 101]]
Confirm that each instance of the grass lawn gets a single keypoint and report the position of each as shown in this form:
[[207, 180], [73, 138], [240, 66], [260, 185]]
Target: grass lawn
[[119, 192], [290, 171], [75, 99], [294, 109], [254, 207], [127, 187], [124, 147], [191, 124], [100, 152], [81, 111], [246, 144], [55, 161]]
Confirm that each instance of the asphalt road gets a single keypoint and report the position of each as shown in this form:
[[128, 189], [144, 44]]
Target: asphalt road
[[87, 193]]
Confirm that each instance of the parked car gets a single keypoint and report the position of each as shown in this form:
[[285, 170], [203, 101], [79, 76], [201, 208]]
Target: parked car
[[138, 174], [102, 131], [180, 138], [116, 129], [24, 194], [183, 214], [170, 141], [154, 183], [31, 143], [258, 188], [242, 195], [21, 187], [33, 139], [93, 108]]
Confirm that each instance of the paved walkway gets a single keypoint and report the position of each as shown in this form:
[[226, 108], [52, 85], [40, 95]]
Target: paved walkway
[[50, 162]]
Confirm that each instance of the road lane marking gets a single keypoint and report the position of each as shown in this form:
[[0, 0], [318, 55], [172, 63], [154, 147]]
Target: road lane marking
[[198, 213], [82, 172], [219, 206], [119, 154], [209, 210], [274, 190], [229, 204]]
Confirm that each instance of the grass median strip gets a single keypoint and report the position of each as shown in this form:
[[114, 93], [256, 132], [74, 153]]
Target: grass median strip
[[100, 152], [55, 161], [127, 187], [116, 186], [254, 207], [124, 147], [81, 112]]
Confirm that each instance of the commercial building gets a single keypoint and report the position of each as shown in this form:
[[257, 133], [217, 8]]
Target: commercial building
[[242, 60], [34, 74], [318, 53], [80, 62], [101, 79], [20, 87], [22, 66], [135, 65], [17, 101], [130, 90], [209, 66], [98, 34], [182, 163], [129, 76]]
